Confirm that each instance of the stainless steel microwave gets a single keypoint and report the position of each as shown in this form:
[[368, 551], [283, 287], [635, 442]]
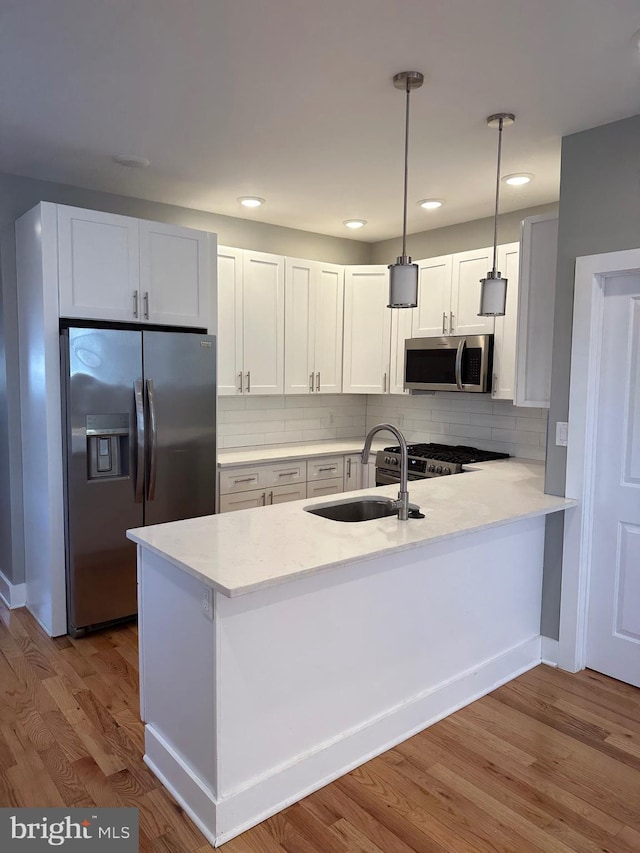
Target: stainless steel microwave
[[455, 363]]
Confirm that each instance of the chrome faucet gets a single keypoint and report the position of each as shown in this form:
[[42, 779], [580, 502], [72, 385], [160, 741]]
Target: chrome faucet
[[402, 504]]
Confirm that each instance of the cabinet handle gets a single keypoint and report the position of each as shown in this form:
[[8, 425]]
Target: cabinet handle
[[318, 381], [384, 384], [311, 382], [240, 382], [451, 322], [349, 467], [444, 322], [248, 381], [271, 498], [287, 474], [146, 304], [135, 304], [246, 480], [263, 498], [330, 468]]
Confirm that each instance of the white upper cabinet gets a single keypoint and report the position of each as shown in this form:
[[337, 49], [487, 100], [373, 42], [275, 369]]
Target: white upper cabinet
[[367, 330], [230, 366], [130, 270], [174, 275], [468, 269], [250, 322], [539, 248], [432, 316], [98, 265], [504, 342], [313, 327]]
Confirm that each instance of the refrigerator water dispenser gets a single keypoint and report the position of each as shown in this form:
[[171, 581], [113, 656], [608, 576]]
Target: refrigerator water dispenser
[[107, 445]]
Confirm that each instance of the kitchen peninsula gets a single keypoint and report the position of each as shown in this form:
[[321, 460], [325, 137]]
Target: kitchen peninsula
[[280, 649]]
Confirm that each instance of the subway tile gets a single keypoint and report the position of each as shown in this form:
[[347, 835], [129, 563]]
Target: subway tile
[[516, 436], [532, 424], [244, 440], [304, 423], [269, 427], [526, 412], [227, 404], [230, 429], [503, 422], [253, 417], [466, 431], [318, 434]]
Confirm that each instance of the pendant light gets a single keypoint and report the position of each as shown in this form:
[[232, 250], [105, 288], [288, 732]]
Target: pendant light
[[403, 275], [493, 288]]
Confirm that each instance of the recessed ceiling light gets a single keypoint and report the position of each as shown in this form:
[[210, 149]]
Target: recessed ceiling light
[[431, 203], [131, 161], [355, 223], [519, 179], [251, 201]]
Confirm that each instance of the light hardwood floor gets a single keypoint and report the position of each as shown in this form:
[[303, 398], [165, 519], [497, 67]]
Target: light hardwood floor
[[549, 762]]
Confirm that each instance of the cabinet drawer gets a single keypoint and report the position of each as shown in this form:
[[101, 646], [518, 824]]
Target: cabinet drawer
[[333, 486], [283, 494], [284, 473], [325, 469], [244, 479]]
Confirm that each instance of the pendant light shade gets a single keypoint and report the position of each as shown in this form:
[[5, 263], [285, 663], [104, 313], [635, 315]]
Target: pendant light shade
[[403, 275], [493, 288]]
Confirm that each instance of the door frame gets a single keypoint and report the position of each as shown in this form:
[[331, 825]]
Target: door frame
[[592, 272]]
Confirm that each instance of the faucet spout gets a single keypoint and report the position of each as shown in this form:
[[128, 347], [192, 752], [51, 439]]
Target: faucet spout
[[403, 494]]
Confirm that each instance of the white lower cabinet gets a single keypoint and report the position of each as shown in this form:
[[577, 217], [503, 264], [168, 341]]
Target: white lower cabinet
[[325, 468], [353, 471], [332, 486]]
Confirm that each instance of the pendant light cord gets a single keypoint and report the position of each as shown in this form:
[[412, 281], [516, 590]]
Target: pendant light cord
[[406, 174], [495, 218]]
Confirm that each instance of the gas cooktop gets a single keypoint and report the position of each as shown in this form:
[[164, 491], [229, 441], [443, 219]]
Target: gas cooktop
[[425, 460]]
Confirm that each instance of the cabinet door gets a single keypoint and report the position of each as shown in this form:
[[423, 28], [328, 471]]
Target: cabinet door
[[243, 500], [353, 473], [468, 269], [536, 305], [230, 373], [401, 325], [367, 330], [284, 494], [329, 303], [299, 326], [325, 468], [325, 487], [98, 265], [431, 317], [263, 323], [504, 344], [175, 275]]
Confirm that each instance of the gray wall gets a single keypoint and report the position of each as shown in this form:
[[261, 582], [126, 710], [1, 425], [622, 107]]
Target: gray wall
[[457, 238], [599, 212]]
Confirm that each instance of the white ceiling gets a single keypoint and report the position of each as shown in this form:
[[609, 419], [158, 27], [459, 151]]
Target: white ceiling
[[292, 100]]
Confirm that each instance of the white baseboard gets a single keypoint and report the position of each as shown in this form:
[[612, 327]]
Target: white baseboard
[[549, 651], [223, 819], [13, 594]]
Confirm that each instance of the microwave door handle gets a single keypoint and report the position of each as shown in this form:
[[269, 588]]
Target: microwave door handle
[[458, 368]]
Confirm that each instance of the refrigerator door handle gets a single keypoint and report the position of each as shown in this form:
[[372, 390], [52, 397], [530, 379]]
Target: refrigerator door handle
[[153, 441], [140, 430]]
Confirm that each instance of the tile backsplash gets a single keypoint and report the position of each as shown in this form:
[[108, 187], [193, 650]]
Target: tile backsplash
[[444, 417], [253, 421], [468, 419]]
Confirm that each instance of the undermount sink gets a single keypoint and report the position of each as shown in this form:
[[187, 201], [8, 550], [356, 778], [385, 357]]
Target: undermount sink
[[355, 509]]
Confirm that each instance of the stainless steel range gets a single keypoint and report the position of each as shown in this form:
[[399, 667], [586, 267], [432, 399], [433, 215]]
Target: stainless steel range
[[429, 460]]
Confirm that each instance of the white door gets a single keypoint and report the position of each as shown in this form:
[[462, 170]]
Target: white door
[[299, 326], [367, 330], [431, 317], [175, 275], [329, 303], [263, 323], [468, 269], [504, 343], [613, 627], [98, 257], [230, 372]]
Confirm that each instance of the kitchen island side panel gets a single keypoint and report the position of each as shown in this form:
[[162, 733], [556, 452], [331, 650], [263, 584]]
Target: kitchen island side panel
[[316, 661]]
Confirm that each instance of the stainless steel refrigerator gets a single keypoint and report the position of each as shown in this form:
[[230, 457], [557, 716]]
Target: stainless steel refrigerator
[[139, 421]]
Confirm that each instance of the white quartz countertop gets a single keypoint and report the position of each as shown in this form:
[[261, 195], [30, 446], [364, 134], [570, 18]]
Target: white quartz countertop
[[240, 552], [278, 453]]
